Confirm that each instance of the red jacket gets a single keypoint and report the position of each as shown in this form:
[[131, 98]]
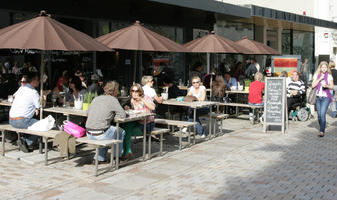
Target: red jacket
[[255, 92]]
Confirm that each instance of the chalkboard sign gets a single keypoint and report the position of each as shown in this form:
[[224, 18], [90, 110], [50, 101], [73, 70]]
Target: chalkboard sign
[[275, 102]]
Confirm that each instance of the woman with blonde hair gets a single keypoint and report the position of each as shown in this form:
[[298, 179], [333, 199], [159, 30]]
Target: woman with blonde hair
[[255, 98], [323, 81], [334, 76]]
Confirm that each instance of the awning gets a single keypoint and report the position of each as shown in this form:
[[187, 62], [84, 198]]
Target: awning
[[211, 6]]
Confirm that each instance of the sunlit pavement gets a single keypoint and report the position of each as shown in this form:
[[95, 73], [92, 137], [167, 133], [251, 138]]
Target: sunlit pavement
[[244, 163]]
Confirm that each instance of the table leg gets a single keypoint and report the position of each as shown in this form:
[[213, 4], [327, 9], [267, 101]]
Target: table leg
[[194, 120], [117, 145], [144, 139], [96, 161], [180, 137], [210, 122], [46, 150], [3, 142]]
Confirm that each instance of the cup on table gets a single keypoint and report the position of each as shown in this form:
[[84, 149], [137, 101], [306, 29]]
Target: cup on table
[[234, 87], [10, 98], [240, 87], [165, 96]]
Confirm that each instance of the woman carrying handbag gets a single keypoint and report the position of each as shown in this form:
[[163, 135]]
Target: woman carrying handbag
[[323, 82]]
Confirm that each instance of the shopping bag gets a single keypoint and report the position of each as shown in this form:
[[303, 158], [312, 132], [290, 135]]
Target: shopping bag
[[43, 125], [312, 96], [73, 129]]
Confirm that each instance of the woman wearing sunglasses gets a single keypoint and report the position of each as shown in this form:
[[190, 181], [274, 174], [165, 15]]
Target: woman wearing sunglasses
[[199, 91], [142, 104]]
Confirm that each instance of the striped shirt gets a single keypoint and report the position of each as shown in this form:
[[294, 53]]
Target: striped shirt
[[295, 85]]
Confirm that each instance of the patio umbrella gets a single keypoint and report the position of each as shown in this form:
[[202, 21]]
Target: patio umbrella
[[137, 37], [213, 43], [44, 33], [257, 48]]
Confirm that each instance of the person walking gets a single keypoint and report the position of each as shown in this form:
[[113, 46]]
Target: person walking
[[334, 76], [323, 82]]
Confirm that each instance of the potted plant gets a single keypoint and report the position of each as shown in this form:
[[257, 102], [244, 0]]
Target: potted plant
[[88, 97]]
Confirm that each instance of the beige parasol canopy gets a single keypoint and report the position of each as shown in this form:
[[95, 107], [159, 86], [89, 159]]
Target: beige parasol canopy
[[257, 48]]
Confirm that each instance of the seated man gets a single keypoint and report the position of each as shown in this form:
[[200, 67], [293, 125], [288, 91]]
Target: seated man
[[101, 113], [295, 89], [26, 103], [231, 82]]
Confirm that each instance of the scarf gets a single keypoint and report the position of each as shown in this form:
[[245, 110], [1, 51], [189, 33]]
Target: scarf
[[326, 90]]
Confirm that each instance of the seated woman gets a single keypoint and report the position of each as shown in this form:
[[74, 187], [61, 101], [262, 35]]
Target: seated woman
[[76, 90], [256, 89], [199, 91], [218, 89], [144, 104]]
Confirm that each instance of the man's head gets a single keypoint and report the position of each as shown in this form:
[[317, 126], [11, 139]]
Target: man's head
[[33, 79], [227, 77], [111, 88], [94, 78], [295, 76], [23, 80]]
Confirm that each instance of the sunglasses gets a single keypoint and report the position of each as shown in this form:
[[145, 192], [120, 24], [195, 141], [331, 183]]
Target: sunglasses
[[196, 82], [23, 81], [134, 90]]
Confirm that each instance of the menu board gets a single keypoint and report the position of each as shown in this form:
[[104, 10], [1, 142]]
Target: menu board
[[275, 102]]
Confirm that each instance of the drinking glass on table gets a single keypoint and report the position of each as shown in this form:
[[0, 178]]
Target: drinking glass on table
[[54, 98]]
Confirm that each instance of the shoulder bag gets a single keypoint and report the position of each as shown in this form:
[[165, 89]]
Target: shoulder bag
[[312, 96]]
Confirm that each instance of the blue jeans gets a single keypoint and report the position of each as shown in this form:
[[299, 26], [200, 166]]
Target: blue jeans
[[254, 104], [109, 134], [322, 104], [201, 111], [24, 124]]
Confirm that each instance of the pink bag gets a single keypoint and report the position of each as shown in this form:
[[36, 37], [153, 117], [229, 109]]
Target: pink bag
[[73, 129]]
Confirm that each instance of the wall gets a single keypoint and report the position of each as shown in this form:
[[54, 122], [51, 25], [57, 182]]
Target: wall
[[297, 6]]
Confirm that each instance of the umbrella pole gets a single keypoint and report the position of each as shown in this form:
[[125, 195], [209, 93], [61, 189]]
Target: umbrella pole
[[41, 87], [135, 67], [208, 63]]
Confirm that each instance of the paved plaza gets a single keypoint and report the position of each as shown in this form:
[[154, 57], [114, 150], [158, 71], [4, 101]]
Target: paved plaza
[[244, 163]]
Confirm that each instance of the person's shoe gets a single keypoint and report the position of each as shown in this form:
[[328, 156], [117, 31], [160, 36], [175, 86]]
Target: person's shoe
[[203, 136], [184, 130], [321, 134], [100, 162], [127, 156], [23, 146], [251, 119]]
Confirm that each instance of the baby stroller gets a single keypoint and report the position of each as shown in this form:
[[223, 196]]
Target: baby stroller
[[299, 111]]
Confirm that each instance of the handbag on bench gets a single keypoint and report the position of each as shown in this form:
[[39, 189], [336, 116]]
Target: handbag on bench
[[73, 129]]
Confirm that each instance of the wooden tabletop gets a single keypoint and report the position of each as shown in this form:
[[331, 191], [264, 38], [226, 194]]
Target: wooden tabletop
[[72, 111], [5, 103], [237, 92], [194, 104]]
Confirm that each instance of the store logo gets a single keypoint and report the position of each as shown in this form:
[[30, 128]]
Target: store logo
[[326, 35]]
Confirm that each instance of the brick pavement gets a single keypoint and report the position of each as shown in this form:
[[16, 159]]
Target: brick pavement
[[244, 164]]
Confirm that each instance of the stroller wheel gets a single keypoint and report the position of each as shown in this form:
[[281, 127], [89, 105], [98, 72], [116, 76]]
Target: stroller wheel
[[303, 114]]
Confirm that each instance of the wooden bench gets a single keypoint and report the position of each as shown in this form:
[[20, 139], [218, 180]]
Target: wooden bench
[[180, 125], [98, 144], [218, 117], [158, 131], [237, 105], [44, 134]]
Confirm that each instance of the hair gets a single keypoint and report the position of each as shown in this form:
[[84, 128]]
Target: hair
[[30, 76], [331, 64], [146, 79], [318, 70], [284, 74], [196, 77], [139, 88], [110, 88], [167, 79], [219, 86], [24, 76], [258, 76], [77, 82]]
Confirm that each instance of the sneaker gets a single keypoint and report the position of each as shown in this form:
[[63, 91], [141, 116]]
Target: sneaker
[[203, 136], [251, 119], [184, 130], [23, 146]]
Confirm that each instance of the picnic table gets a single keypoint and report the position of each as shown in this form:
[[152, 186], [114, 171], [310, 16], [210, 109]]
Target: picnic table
[[133, 117], [194, 105]]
